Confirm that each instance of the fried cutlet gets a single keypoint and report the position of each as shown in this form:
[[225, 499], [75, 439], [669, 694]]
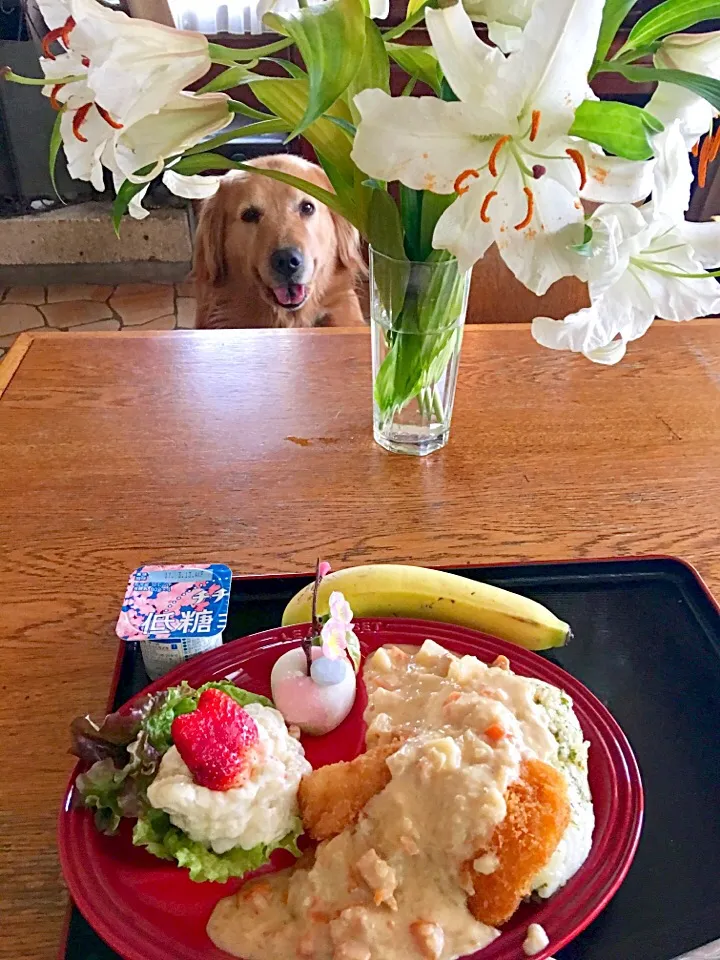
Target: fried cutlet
[[331, 797], [537, 814]]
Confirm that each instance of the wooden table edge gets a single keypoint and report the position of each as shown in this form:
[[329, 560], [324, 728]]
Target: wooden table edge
[[10, 364], [13, 358]]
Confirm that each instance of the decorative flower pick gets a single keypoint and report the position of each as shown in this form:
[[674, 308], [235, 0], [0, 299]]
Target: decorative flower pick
[[334, 632]]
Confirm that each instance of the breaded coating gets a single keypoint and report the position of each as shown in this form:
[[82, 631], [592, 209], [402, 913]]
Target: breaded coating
[[331, 797], [538, 813]]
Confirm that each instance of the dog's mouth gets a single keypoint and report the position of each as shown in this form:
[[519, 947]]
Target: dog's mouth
[[291, 296]]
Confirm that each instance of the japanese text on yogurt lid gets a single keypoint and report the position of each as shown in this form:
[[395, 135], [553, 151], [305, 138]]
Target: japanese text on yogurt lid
[[169, 603]]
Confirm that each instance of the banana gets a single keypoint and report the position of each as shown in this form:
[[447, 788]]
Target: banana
[[397, 590]]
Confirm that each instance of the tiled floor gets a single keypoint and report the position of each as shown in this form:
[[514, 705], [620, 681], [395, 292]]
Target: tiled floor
[[79, 306]]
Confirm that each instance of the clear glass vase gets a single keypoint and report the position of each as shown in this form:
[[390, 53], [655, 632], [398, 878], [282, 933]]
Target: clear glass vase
[[417, 314]]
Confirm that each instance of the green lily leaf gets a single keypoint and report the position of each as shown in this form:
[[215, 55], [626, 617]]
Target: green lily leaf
[[237, 106], [231, 55], [614, 14], [288, 99], [705, 87], [374, 70], [384, 227], [55, 144], [344, 189], [425, 332], [122, 201], [411, 202], [419, 62], [433, 207], [236, 76], [331, 40], [672, 16], [414, 14], [446, 92], [349, 128], [584, 249], [619, 128], [274, 125], [385, 235], [292, 69], [202, 162]]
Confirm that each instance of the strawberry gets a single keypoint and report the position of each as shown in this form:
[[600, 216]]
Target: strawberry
[[216, 741]]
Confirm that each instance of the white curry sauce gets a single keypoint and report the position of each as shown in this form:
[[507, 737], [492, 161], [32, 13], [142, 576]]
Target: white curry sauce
[[391, 886]]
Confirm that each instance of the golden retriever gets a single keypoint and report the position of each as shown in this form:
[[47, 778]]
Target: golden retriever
[[268, 255]]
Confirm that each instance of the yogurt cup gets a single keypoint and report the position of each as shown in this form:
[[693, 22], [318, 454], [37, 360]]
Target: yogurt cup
[[175, 611]]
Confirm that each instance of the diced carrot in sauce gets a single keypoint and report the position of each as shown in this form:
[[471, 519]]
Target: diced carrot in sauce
[[495, 732], [262, 888], [452, 697]]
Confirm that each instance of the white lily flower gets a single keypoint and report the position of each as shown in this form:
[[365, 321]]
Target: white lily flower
[[379, 9], [127, 109], [614, 179], [645, 263], [85, 127], [694, 53], [58, 69], [505, 20], [188, 187], [504, 147], [198, 187], [183, 122], [54, 12], [136, 66], [133, 67]]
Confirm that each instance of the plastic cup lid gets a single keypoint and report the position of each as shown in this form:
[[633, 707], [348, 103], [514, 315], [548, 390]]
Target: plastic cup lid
[[173, 602]]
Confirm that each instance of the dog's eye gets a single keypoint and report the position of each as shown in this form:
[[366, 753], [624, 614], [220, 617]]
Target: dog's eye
[[251, 215], [307, 208]]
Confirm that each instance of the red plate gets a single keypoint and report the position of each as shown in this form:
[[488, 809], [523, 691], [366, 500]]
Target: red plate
[[149, 910]]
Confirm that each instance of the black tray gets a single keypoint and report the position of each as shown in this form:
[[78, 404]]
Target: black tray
[[647, 643]]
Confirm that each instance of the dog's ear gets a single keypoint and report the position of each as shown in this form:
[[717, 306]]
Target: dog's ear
[[209, 264], [348, 245]]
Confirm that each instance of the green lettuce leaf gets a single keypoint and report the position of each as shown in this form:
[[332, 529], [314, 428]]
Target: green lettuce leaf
[[127, 749], [158, 723], [155, 832], [243, 697], [100, 789]]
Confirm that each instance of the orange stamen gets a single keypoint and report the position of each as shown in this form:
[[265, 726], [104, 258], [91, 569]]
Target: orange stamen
[[107, 118], [78, 120], [85, 61], [66, 31], [54, 102], [484, 208], [50, 38], [530, 210], [696, 148], [60, 33], [536, 115], [715, 149], [704, 161], [579, 161], [460, 187], [492, 162]]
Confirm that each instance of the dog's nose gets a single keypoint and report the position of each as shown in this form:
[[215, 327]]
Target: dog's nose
[[287, 262]]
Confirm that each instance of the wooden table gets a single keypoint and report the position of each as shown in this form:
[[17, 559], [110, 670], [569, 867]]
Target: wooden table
[[255, 448]]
